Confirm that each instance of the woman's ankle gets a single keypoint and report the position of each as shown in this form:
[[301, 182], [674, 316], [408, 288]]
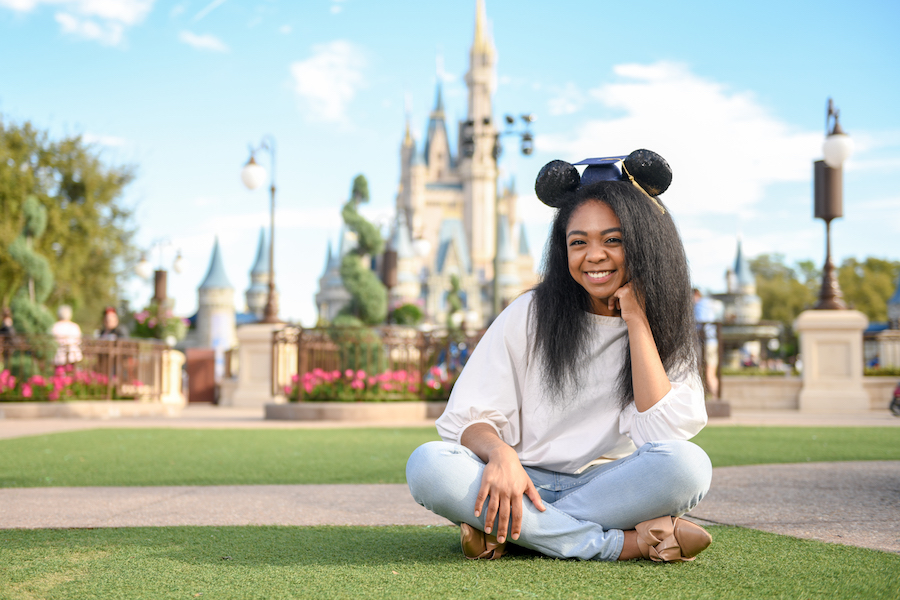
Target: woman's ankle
[[630, 549]]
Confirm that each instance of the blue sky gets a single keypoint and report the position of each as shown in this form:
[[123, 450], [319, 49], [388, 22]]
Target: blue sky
[[732, 94]]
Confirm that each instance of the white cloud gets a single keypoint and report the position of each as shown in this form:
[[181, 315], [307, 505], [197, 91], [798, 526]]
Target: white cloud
[[208, 9], [203, 42], [723, 146], [109, 33], [102, 20], [329, 80], [568, 100], [285, 29], [336, 6]]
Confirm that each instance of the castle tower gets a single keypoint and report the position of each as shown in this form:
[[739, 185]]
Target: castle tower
[[525, 262], [479, 171], [744, 281], [745, 306], [510, 284], [332, 295], [437, 144], [258, 292], [215, 312], [408, 286]]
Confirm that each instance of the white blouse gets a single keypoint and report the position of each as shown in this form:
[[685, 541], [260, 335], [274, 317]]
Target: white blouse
[[501, 385]]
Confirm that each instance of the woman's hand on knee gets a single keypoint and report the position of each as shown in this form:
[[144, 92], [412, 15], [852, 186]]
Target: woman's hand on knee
[[504, 483]]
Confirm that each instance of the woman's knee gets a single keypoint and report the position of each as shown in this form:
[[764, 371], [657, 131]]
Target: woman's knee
[[425, 466], [687, 464]]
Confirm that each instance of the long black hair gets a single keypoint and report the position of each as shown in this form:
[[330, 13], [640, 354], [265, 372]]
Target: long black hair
[[657, 266]]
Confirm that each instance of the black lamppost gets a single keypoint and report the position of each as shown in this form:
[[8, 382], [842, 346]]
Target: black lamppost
[[253, 175], [144, 269], [829, 200], [526, 147]]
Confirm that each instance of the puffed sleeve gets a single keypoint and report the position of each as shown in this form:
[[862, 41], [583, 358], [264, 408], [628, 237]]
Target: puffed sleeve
[[679, 415], [489, 388]]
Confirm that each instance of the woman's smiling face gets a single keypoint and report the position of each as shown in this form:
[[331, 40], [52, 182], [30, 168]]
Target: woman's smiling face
[[596, 253]]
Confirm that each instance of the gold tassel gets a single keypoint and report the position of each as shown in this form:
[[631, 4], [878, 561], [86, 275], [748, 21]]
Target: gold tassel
[[638, 186]]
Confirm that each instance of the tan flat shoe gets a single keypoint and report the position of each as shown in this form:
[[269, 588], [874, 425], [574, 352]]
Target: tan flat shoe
[[669, 539], [478, 544]]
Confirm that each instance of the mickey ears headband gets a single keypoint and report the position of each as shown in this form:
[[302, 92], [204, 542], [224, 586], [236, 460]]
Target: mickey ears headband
[[645, 169]]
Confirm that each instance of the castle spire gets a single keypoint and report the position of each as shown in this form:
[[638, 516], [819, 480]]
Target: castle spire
[[482, 44], [438, 102], [261, 264], [744, 277], [215, 276]]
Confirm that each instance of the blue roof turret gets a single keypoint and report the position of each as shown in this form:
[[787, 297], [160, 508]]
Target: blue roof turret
[[524, 250], [261, 264], [742, 272], [216, 277]]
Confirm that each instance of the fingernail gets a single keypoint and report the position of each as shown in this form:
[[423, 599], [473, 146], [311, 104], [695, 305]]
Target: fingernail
[[477, 513], [487, 529], [500, 539], [515, 536]]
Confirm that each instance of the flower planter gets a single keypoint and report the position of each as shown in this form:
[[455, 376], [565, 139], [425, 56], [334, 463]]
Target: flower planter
[[87, 409], [369, 412]]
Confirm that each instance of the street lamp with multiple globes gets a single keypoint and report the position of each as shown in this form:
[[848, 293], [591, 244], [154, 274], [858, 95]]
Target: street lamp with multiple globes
[[526, 147], [254, 175], [829, 200]]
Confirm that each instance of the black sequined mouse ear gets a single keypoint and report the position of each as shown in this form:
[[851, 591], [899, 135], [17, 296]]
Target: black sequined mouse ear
[[556, 182], [650, 171]]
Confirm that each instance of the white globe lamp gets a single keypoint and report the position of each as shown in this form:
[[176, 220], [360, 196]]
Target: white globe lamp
[[837, 148], [144, 269], [253, 175]]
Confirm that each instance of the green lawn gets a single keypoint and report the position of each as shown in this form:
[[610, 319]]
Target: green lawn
[[388, 562], [412, 562], [132, 457]]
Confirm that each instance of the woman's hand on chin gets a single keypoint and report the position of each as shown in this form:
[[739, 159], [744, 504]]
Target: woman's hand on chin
[[627, 302]]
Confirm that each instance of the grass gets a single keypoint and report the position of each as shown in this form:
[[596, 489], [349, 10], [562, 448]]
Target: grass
[[139, 457], [388, 562], [412, 562]]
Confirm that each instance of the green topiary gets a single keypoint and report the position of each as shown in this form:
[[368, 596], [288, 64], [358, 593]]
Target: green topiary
[[29, 313], [368, 301], [407, 314]]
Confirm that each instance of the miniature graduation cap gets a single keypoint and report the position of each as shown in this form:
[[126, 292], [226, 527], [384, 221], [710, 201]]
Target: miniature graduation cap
[[645, 169]]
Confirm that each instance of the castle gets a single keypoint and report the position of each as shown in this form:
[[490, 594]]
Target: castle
[[216, 320], [450, 220]]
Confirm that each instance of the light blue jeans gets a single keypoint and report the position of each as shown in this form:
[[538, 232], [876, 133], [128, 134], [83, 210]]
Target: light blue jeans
[[586, 513]]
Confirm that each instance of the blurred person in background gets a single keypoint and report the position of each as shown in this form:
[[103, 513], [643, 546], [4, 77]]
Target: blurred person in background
[[68, 337]]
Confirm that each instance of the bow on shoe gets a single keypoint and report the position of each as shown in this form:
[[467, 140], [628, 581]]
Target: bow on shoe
[[668, 539]]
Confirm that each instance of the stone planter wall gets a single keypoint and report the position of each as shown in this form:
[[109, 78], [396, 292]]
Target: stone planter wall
[[371, 412], [782, 393], [87, 409]]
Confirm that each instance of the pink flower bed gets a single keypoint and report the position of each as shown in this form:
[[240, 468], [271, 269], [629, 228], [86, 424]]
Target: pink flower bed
[[66, 383], [351, 386]]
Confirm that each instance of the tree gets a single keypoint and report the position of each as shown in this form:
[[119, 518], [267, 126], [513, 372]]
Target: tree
[[785, 292], [868, 285], [88, 233], [368, 303], [29, 313]]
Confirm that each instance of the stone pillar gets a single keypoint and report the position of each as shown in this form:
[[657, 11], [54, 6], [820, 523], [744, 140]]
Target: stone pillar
[[253, 384], [172, 390], [831, 347]]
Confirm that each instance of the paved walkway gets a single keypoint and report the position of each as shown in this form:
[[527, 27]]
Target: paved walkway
[[855, 503]]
